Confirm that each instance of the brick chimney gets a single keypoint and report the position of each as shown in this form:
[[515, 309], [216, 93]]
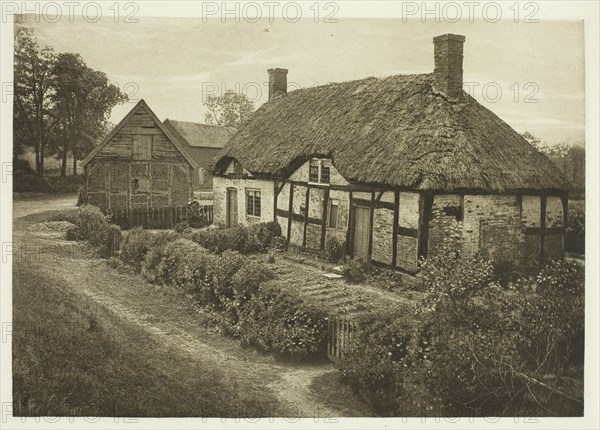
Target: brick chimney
[[448, 72], [277, 83]]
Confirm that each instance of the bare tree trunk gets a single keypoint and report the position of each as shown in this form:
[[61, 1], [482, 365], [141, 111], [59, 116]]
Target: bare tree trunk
[[74, 164], [63, 167]]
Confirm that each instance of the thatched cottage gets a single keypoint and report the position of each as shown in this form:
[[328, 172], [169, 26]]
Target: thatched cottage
[[387, 165]]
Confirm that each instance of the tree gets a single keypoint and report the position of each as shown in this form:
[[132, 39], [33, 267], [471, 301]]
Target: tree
[[229, 110], [83, 99], [34, 122], [569, 157]]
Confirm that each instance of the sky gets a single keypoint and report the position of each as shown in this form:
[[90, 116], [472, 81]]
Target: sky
[[174, 63]]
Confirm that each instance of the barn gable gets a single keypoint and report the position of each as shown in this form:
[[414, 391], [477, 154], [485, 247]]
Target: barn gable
[[138, 165], [140, 136]]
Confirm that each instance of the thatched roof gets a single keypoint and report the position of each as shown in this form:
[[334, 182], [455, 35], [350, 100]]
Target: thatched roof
[[200, 135], [395, 131]]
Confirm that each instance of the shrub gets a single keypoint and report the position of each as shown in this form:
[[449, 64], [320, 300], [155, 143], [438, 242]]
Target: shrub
[[135, 246], [575, 232], [381, 364], [475, 346], [280, 243], [257, 237], [93, 227], [248, 279], [265, 233], [276, 320], [484, 338], [182, 227], [179, 262], [356, 271], [71, 233], [155, 254], [334, 249], [220, 275], [218, 240]]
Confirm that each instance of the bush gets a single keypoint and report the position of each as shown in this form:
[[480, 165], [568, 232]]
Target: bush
[[475, 346], [575, 232], [248, 279], [356, 271], [179, 262], [220, 274], [182, 227], [280, 243], [155, 254], [380, 364], [265, 233], [93, 227], [257, 237], [135, 246], [276, 320], [334, 249], [218, 240]]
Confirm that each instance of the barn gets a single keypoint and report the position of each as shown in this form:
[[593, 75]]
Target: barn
[[391, 166], [139, 164], [203, 142]]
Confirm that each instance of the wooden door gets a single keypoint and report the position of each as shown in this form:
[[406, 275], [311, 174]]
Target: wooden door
[[362, 220], [232, 207]]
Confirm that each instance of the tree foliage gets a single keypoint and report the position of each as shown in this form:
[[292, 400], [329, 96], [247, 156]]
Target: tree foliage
[[83, 99], [230, 109], [61, 105], [568, 157]]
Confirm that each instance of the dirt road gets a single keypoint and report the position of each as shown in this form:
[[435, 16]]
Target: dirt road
[[173, 320]]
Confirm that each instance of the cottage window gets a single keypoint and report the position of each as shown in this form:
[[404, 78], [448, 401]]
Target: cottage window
[[313, 172], [237, 168], [253, 202], [318, 172], [325, 174], [334, 206]]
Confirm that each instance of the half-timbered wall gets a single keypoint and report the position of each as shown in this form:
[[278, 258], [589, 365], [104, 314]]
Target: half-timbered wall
[[405, 225], [138, 168]]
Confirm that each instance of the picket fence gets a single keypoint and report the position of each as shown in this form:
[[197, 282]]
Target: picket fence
[[341, 333], [164, 217]]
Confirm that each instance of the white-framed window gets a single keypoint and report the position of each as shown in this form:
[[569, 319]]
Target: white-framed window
[[253, 203]]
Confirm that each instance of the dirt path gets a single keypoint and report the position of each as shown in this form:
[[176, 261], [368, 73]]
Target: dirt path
[[173, 320]]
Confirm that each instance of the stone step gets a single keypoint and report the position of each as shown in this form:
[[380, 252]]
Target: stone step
[[338, 269]]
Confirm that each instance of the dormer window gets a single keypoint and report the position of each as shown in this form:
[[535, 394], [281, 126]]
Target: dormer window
[[237, 168], [318, 172]]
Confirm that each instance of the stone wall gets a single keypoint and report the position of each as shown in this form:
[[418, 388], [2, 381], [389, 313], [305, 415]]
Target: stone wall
[[505, 228], [446, 216], [492, 225]]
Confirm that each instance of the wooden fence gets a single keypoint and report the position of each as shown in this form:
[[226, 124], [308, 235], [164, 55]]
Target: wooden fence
[[164, 217], [340, 335]]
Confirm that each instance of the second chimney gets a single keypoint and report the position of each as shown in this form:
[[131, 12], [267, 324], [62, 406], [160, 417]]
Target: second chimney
[[448, 72], [277, 83]]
